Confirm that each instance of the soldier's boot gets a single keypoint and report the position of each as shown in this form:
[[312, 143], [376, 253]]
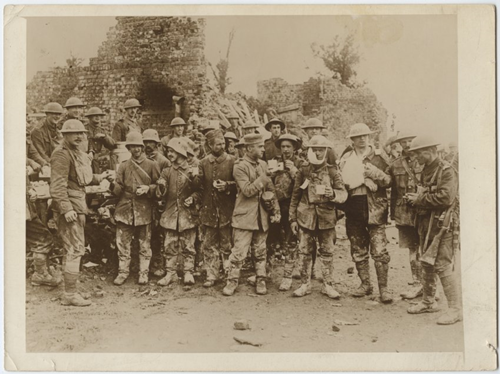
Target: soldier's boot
[[382, 270], [232, 280], [416, 288], [188, 279], [41, 276], [326, 272], [286, 282], [306, 274], [261, 272], [123, 272], [71, 297], [428, 303], [296, 273], [171, 275], [452, 292], [188, 270], [143, 270], [330, 291], [365, 288], [252, 280]]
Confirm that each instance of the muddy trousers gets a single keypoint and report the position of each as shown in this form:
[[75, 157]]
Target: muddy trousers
[[124, 236], [408, 238], [179, 243], [73, 239], [216, 248], [244, 241], [450, 282], [38, 237], [325, 238]]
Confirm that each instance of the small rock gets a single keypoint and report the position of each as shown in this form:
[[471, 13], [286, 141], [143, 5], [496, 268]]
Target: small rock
[[103, 278], [247, 341], [85, 295], [54, 299], [182, 342], [152, 292], [187, 288], [241, 324], [350, 270], [99, 294], [284, 335], [98, 287], [336, 305], [335, 328], [374, 340]]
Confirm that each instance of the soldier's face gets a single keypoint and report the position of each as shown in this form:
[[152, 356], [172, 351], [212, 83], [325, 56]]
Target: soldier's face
[[313, 131], [172, 155], [405, 144], [248, 131], [53, 118], [178, 130], [136, 150], [131, 112], [424, 156], [95, 120], [255, 151], [150, 146], [276, 130], [74, 139], [230, 145], [218, 146], [287, 148], [360, 141], [319, 152], [75, 111]]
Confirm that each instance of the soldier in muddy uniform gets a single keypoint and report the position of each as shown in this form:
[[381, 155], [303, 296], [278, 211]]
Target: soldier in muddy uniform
[[255, 202], [74, 109], [283, 177], [178, 126], [318, 187], [363, 171], [177, 189], [135, 186], [45, 136], [404, 172], [96, 138], [71, 172], [436, 204], [276, 127], [218, 195]]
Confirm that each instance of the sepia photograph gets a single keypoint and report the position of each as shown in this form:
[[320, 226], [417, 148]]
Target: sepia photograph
[[247, 183]]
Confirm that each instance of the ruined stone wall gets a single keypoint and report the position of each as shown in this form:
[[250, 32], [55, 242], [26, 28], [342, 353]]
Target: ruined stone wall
[[149, 58]]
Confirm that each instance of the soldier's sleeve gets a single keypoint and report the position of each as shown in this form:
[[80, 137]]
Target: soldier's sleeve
[[269, 186], [117, 133], [109, 143], [381, 178], [247, 188], [160, 189], [231, 184], [60, 165], [331, 157], [34, 155], [119, 185], [37, 140], [155, 174], [340, 193], [296, 195], [394, 192], [445, 193]]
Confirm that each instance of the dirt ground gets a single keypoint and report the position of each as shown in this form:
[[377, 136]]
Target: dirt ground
[[150, 318]]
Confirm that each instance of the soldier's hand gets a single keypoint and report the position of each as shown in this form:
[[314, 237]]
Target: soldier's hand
[[221, 186], [71, 216], [328, 192], [161, 182], [32, 194], [91, 155], [371, 185], [295, 228], [289, 165], [142, 190], [276, 218], [99, 136], [188, 202], [411, 198], [45, 169]]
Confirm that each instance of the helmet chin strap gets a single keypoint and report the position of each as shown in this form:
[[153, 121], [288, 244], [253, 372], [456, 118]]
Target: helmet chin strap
[[311, 156]]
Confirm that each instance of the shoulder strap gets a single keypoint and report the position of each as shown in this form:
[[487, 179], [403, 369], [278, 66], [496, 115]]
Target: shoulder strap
[[408, 169]]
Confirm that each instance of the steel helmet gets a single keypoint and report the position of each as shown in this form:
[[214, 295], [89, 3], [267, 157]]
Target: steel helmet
[[319, 141], [73, 125], [421, 142], [94, 111], [134, 138], [73, 101], [275, 120], [204, 129], [289, 137], [151, 135], [404, 136], [177, 121], [131, 103], [53, 108], [313, 123], [240, 144], [359, 129], [178, 145], [250, 125], [191, 147], [230, 136]]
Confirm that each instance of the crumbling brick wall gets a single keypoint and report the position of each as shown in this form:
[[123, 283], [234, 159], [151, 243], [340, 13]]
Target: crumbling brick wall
[[149, 58]]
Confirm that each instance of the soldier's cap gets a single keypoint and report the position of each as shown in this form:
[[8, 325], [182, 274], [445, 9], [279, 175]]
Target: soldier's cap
[[179, 145], [319, 141], [212, 125], [359, 129], [191, 147], [404, 136], [177, 121], [72, 102], [422, 142], [251, 139], [390, 141], [131, 103], [289, 137], [53, 108], [250, 125], [313, 123], [94, 111], [230, 136], [240, 144], [151, 135], [72, 126], [273, 121], [134, 138]]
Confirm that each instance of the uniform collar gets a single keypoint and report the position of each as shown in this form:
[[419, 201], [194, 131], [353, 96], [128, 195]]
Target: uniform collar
[[221, 158], [246, 158], [182, 166]]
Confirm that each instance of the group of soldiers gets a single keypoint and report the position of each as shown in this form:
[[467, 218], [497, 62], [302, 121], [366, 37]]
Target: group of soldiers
[[231, 197]]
